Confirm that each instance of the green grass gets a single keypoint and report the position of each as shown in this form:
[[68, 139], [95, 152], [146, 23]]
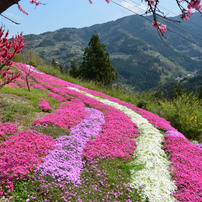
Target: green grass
[[114, 92], [23, 114], [51, 130], [32, 95], [14, 111]]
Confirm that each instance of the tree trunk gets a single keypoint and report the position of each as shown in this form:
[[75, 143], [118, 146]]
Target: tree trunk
[[4, 4], [27, 83]]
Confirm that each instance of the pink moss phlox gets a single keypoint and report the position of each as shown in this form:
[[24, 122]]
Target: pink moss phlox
[[3, 136], [118, 145], [116, 137], [21, 153], [67, 115], [40, 87], [186, 159], [44, 105], [56, 97], [8, 128], [199, 145], [21, 82], [171, 133], [65, 162], [154, 119]]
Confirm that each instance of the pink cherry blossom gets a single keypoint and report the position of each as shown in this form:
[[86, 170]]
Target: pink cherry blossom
[[162, 28], [21, 9], [190, 11], [195, 4], [37, 3], [32, 1], [155, 24]]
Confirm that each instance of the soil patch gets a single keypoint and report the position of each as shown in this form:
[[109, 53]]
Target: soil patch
[[23, 120]]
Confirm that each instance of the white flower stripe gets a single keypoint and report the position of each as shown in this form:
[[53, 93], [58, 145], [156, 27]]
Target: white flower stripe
[[151, 167]]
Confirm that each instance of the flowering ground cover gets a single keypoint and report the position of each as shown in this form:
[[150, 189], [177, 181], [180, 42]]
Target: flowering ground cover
[[20, 154], [7, 129], [68, 114], [187, 163], [96, 148], [65, 162], [44, 105], [157, 121], [153, 174], [189, 187]]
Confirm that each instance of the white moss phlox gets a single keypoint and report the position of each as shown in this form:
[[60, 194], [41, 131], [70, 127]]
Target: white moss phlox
[[153, 176]]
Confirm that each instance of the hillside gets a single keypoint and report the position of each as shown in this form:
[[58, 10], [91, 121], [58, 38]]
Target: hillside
[[191, 84], [137, 52], [64, 142]]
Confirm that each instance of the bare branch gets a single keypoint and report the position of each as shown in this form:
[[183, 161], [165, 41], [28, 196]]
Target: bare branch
[[17, 23]]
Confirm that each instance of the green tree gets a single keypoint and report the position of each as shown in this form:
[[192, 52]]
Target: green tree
[[96, 64], [62, 68], [176, 92], [158, 94], [74, 71], [28, 56], [54, 64], [199, 92], [32, 63]]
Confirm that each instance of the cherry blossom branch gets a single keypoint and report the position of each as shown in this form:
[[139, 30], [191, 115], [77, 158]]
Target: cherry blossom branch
[[6, 46], [6, 56], [185, 13], [6, 77]]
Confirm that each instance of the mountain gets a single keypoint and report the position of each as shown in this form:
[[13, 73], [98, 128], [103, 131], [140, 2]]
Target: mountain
[[140, 56]]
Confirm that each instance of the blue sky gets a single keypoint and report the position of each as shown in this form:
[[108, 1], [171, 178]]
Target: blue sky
[[57, 14]]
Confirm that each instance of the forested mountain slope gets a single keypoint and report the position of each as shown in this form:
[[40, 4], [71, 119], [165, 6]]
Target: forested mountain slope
[[137, 52]]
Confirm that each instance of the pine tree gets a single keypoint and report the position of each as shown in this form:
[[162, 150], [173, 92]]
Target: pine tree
[[96, 64], [54, 64], [74, 72], [62, 68]]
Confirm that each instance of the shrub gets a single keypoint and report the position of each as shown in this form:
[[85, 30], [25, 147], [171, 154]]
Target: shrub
[[185, 114]]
